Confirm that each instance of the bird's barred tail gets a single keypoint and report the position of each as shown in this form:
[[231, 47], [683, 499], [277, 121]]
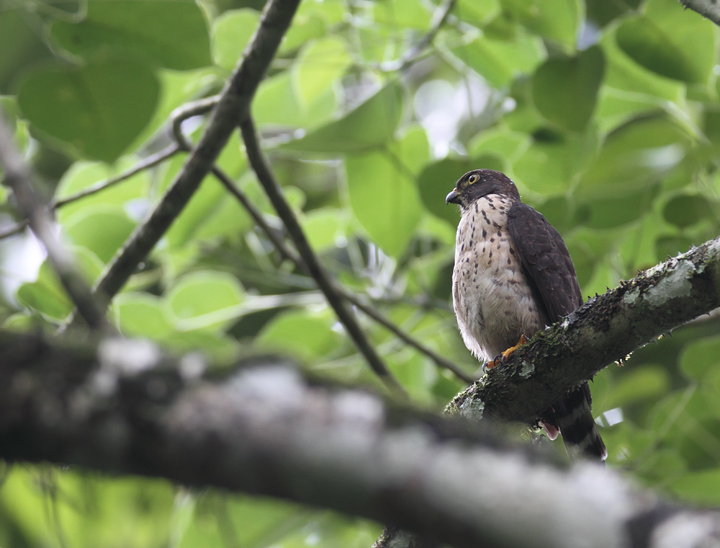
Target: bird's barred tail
[[577, 426]]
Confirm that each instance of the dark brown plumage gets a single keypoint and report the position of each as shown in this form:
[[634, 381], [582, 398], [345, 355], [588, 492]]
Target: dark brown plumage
[[513, 276]]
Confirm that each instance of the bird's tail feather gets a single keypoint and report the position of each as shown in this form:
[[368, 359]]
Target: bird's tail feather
[[577, 426]]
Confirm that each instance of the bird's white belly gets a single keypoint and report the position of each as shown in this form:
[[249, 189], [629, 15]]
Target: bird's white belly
[[492, 299]]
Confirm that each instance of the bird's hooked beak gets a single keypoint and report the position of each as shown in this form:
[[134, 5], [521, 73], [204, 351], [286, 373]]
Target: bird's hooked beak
[[453, 197]]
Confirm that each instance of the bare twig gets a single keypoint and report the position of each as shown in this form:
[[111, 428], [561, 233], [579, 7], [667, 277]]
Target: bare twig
[[232, 105], [144, 164], [315, 268], [439, 18], [19, 177]]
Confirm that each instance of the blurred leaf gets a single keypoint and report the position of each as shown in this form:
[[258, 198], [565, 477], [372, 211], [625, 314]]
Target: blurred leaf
[[21, 45], [500, 60], [206, 299], [686, 210], [180, 42], [369, 125], [276, 102], [639, 384], [551, 163], [558, 20], [402, 13], [476, 13], [382, 191], [97, 109], [634, 157], [699, 444], [141, 315], [699, 357], [46, 294], [670, 41], [565, 89], [318, 66], [323, 227], [699, 487], [303, 334], [231, 34], [102, 230]]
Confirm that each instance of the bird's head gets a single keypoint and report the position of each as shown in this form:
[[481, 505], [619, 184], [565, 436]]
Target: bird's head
[[481, 182]]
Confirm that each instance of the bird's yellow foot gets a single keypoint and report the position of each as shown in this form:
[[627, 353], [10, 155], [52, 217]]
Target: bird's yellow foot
[[505, 355]]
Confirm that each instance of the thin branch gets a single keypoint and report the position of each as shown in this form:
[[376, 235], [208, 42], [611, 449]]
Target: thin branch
[[232, 105], [205, 105], [142, 165], [19, 177], [706, 8], [123, 407], [412, 55], [317, 271]]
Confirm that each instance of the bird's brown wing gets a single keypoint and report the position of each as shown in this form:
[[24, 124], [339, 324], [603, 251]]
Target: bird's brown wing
[[549, 268], [545, 259]]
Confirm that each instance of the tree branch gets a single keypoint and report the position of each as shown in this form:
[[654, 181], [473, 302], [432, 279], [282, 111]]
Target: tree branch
[[232, 105], [19, 177], [313, 265], [706, 8], [123, 407], [605, 329]]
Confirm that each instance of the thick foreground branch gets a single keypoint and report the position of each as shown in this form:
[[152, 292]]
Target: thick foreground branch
[[605, 329], [123, 407]]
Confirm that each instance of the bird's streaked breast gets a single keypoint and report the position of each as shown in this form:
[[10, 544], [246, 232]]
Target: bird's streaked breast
[[491, 296]]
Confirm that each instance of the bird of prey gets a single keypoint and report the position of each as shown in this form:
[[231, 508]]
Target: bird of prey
[[513, 276]]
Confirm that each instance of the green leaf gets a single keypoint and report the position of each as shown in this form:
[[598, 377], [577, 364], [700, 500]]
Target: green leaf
[[101, 230], [368, 126], [277, 103], [686, 210], [699, 487], [46, 294], [670, 41], [21, 45], [500, 60], [558, 20], [382, 191], [318, 66], [552, 161], [97, 109], [700, 357], [639, 384], [324, 227], [565, 89], [231, 33], [205, 299], [171, 34], [634, 157], [142, 315], [476, 13], [303, 334], [410, 14]]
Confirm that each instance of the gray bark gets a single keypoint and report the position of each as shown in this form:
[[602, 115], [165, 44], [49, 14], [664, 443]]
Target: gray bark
[[123, 407]]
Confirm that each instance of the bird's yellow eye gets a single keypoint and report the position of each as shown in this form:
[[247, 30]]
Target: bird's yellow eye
[[472, 179]]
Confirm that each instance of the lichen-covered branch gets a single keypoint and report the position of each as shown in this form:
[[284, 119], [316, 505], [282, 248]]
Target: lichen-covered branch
[[123, 407], [605, 329], [706, 8]]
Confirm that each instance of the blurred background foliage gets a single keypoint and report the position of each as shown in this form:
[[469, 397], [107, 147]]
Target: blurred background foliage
[[605, 113]]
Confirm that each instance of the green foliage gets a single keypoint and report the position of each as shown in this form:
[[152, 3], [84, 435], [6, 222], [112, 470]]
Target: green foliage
[[605, 114]]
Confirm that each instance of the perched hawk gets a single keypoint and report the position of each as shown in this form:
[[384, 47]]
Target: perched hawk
[[513, 276]]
